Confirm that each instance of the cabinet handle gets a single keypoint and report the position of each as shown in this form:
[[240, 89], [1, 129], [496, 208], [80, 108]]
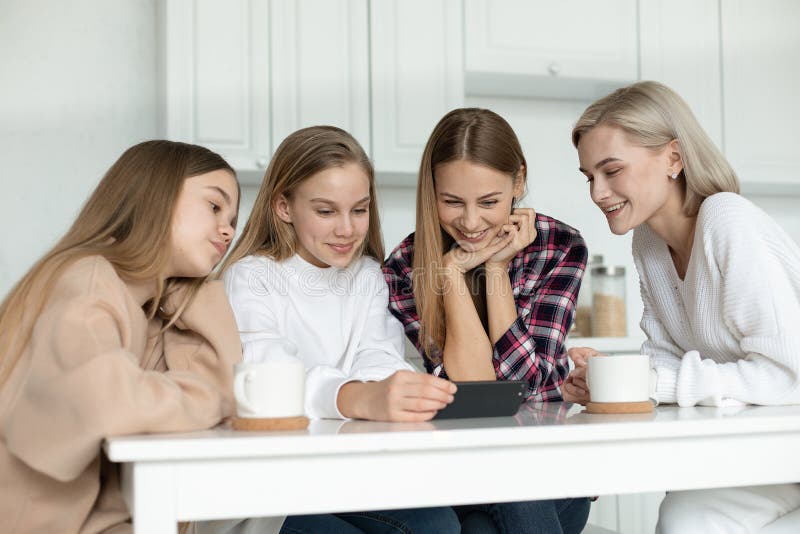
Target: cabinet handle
[[554, 68], [262, 163]]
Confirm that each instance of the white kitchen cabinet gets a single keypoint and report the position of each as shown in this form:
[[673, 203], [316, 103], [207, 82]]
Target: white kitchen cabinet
[[240, 76], [417, 76], [320, 66], [680, 47], [215, 77], [539, 48], [761, 81]]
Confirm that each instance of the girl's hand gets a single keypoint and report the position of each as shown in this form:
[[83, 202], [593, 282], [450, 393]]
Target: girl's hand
[[463, 260], [405, 396], [575, 388], [522, 229]]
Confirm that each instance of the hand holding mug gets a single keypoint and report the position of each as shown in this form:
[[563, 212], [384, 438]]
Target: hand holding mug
[[575, 389]]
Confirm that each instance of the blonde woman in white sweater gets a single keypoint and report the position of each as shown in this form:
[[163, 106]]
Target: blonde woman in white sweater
[[720, 281]]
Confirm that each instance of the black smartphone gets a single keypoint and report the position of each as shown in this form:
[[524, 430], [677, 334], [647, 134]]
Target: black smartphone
[[488, 398]]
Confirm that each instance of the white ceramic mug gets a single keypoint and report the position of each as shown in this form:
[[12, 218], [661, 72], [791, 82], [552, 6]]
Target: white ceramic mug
[[272, 388], [621, 378]]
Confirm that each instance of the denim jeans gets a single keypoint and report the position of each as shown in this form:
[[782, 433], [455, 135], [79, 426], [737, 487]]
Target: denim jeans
[[562, 516], [441, 520]]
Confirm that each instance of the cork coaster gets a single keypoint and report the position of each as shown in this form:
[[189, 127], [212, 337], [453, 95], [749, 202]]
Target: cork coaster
[[269, 423], [619, 407]]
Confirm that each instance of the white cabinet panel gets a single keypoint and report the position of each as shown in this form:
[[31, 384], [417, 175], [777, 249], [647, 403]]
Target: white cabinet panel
[[417, 76], [320, 66], [570, 48], [688, 61], [239, 76], [761, 81], [215, 70]]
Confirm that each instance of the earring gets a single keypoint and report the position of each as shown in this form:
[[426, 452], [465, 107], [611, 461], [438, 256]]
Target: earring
[[674, 175]]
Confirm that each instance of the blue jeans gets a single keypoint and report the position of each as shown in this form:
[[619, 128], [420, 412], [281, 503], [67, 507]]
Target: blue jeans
[[563, 516], [441, 520]]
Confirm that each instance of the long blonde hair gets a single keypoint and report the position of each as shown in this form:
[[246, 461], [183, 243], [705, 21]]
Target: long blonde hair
[[472, 134], [652, 115], [127, 220], [300, 156]]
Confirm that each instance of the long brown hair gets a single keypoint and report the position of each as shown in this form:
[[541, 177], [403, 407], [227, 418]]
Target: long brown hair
[[472, 134], [300, 156], [652, 115], [127, 220]]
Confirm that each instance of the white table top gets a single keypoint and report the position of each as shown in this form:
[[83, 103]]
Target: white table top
[[359, 465], [542, 424]]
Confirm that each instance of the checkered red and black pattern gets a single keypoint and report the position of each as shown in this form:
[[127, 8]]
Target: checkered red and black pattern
[[545, 279]]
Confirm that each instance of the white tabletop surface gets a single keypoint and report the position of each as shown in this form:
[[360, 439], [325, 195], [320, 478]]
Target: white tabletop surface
[[545, 451], [550, 423]]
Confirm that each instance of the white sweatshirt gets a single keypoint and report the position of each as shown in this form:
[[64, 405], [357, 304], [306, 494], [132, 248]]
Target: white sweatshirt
[[728, 333], [338, 318]]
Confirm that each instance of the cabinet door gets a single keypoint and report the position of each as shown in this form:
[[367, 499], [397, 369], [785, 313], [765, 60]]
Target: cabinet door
[[215, 72], [690, 64], [566, 39], [417, 76], [320, 66], [761, 83]]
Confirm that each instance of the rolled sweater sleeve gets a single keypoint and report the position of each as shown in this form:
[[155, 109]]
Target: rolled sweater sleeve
[[85, 383], [374, 353]]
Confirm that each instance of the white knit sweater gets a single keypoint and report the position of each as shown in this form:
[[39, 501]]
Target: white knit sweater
[[729, 332], [338, 318]]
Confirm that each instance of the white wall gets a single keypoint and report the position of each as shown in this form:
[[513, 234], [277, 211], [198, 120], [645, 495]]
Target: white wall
[[78, 87]]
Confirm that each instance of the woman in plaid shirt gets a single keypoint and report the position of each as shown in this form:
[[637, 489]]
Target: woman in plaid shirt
[[487, 291]]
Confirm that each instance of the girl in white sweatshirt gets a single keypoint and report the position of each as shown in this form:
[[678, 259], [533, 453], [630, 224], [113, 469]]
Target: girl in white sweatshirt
[[720, 281], [307, 269]]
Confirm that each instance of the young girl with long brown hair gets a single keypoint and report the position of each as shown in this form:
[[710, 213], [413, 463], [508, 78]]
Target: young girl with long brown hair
[[307, 269], [116, 331], [486, 290]]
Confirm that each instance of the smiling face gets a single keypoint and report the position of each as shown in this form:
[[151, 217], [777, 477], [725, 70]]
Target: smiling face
[[330, 215], [629, 183], [474, 201], [203, 223]]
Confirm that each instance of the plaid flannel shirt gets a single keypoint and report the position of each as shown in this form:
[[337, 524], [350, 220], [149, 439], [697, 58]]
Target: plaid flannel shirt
[[545, 279]]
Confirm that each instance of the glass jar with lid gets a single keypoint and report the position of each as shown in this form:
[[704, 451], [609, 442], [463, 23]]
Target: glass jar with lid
[[608, 302], [583, 310]]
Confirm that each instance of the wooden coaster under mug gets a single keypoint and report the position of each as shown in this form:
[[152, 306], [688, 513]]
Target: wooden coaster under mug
[[269, 423], [619, 407]]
